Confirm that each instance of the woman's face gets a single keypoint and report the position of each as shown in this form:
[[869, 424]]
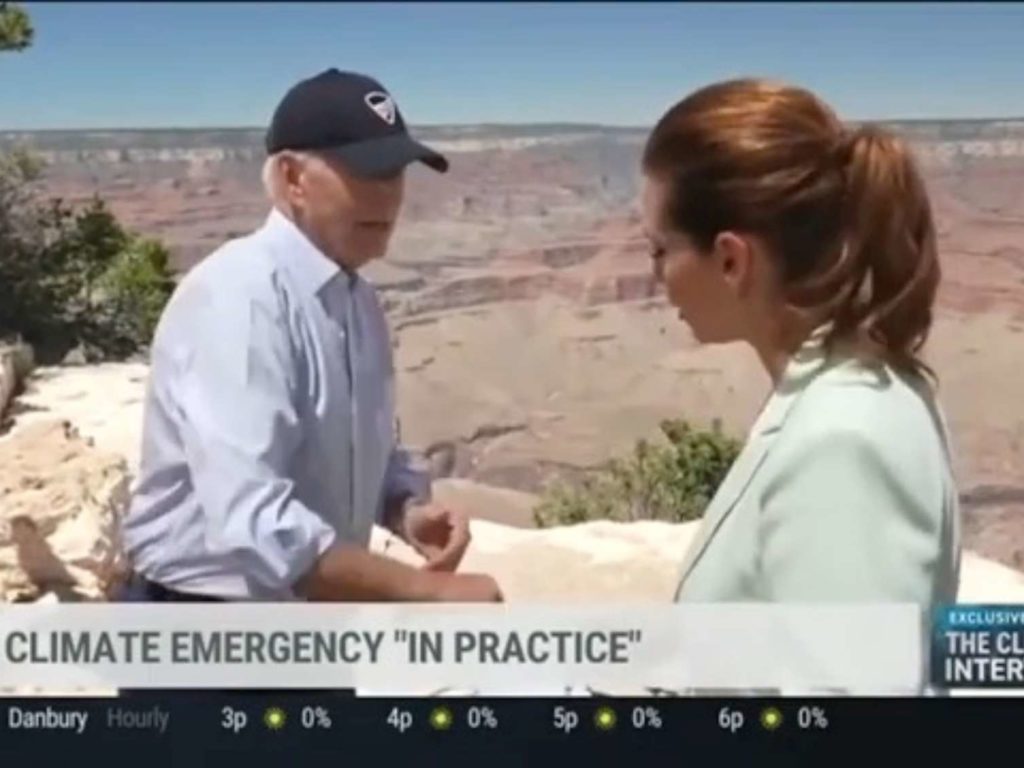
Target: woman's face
[[705, 288]]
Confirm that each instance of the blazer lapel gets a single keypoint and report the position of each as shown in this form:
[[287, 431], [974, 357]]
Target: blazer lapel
[[732, 487], [802, 369]]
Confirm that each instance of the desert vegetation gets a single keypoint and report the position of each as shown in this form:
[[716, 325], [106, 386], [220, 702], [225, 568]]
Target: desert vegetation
[[71, 276], [673, 482]]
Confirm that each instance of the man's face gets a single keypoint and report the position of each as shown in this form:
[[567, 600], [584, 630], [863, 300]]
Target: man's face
[[350, 218]]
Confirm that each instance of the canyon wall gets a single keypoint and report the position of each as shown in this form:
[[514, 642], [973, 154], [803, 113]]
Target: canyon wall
[[530, 341]]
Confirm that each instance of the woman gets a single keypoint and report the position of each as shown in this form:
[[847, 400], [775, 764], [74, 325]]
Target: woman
[[772, 223]]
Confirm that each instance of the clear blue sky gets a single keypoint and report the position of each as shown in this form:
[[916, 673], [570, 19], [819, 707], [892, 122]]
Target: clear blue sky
[[211, 64]]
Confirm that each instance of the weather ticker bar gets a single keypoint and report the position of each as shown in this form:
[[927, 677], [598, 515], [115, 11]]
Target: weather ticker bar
[[316, 724]]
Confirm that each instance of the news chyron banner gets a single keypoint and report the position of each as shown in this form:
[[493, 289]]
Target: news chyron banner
[[513, 649], [978, 646]]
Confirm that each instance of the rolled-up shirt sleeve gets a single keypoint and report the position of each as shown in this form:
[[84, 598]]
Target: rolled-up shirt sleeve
[[241, 433]]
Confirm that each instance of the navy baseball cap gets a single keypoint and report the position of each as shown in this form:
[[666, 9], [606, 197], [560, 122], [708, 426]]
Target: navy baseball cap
[[351, 117]]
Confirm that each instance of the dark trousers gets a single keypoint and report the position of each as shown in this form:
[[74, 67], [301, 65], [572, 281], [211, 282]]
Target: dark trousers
[[138, 589]]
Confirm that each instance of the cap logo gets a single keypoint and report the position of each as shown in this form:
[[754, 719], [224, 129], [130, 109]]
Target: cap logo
[[383, 105]]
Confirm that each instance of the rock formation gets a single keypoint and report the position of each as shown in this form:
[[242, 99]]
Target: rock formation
[[60, 504], [61, 498]]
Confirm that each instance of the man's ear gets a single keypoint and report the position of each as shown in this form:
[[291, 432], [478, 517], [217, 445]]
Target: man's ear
[[291, 172], [735, 257]]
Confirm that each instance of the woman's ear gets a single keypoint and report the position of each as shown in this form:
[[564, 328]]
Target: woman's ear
[[733, 253]]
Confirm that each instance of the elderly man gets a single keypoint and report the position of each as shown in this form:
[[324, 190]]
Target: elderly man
[[269, 444]]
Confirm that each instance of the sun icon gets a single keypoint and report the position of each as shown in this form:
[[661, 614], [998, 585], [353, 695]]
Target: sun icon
[[771, 719], [605, 718], [441, 719], [275, 718]]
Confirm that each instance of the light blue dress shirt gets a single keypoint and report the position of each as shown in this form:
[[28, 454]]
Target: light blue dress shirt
[[269, 429]]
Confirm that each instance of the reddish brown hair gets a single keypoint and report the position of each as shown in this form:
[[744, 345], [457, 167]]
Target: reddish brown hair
[[844, 213]]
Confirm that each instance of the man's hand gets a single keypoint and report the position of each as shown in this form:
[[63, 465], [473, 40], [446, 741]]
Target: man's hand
[[439, 534]]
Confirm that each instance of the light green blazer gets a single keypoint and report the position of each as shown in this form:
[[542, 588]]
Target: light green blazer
[[843, 492]]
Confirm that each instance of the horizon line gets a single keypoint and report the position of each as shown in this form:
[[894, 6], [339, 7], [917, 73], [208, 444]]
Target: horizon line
[[417, 126], [490, 124]]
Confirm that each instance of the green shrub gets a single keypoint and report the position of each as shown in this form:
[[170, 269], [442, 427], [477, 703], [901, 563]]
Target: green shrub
[[16, 30], [132, 294], [36, 282], [672, 482], [74, 277]]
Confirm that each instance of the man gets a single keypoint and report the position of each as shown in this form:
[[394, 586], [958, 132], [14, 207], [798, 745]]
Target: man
[[268, 446]]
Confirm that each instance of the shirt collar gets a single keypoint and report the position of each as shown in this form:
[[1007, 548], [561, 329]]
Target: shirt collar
[[309, 266]]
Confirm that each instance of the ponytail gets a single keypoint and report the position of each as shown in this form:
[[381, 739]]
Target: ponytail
[[890, 248]]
